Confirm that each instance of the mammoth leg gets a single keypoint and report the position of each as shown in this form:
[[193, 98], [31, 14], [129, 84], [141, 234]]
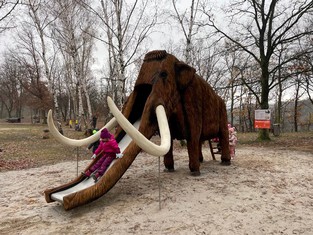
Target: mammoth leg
[[169, 160], [224, 138], [225, 158], [200, 152], [194, 153]]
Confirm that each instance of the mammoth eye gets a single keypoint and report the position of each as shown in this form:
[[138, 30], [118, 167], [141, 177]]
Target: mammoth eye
[[163, 74]]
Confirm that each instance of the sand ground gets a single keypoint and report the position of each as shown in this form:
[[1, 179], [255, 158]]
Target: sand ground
[[264, 191]]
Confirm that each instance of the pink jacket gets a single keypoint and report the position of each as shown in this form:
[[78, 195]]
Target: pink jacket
[[109, 148]]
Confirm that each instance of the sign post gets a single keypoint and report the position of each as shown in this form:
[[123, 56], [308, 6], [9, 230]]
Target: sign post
[[262, 119]]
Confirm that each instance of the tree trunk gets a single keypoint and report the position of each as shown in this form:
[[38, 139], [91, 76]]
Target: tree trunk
[[264, 133], [295, 117]]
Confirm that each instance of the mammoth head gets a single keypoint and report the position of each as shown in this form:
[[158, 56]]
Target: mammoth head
[[162, 78]]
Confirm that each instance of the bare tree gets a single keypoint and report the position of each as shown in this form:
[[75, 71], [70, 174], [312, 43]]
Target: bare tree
[[11, 94], [261, 27], [66, 77], [238, 85], [29, 59], [40, 19], [125, 26], [6, 10], [200, 49], [187, 24], [73, 31], [306, 67], [281, 74], [308, 84], [232, 85]]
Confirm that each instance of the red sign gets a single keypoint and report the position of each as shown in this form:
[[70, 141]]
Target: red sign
[[262, 119], [262, 124]]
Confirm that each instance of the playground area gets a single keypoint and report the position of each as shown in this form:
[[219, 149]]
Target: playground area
[[266, 190]]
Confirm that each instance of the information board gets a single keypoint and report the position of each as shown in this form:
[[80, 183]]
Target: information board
[[262, 119]]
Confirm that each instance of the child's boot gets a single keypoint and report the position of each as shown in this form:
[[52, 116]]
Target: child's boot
[[87, 173], [96, 177]]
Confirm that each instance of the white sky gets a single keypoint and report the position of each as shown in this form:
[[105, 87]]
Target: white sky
[[157, 39]]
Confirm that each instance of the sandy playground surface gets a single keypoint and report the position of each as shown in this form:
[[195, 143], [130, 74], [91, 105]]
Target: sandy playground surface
[[264, 191]]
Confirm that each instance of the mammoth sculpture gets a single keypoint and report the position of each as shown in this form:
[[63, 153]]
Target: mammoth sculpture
[[194, 111], [169, 98]]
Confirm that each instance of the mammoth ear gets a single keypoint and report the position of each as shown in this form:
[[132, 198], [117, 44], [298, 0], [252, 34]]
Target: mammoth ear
[[184, 73]]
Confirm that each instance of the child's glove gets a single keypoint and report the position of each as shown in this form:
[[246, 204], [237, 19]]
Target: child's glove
[[119, 155], [93, 156]]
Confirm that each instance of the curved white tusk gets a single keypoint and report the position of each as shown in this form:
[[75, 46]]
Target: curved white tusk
[[139, 138], [73, 142]]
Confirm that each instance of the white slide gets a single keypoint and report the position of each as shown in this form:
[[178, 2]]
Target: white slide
[[88, 182]]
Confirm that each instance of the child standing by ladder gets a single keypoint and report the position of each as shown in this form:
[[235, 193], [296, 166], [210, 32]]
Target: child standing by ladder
[[232, 141]]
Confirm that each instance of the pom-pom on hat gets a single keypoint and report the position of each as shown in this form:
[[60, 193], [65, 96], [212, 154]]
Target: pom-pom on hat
[[105, 134]]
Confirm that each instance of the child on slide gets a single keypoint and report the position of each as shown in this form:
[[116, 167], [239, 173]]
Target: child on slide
[[109, 148]]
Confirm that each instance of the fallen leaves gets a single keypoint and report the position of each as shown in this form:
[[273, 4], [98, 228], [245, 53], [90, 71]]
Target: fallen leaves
[[16, 164]]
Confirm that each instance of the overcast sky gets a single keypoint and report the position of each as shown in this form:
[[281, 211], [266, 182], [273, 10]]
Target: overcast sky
[[157, 39]]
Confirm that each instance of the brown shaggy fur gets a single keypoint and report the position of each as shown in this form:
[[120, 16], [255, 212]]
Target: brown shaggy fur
[[195, 112], [155, 55]]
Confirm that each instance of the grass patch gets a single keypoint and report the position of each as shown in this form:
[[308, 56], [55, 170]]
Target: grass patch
[[299, 141], [22, 146]]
